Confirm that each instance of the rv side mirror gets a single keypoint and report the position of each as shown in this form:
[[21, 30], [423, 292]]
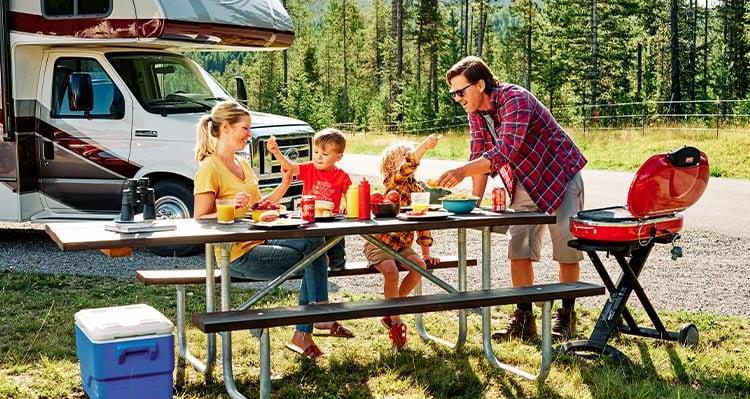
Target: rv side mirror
[[80, 92], [241, 90]]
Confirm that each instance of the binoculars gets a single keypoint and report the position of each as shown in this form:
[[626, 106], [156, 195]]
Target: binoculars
[[137, 195]]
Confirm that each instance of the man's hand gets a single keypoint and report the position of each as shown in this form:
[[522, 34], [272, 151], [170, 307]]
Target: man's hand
[[272, 146], [451, 178]]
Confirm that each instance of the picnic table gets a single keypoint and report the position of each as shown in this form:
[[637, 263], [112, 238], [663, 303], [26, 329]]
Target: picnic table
[[91, 235]]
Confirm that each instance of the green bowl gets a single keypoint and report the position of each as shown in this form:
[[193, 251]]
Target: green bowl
[[459, 206]]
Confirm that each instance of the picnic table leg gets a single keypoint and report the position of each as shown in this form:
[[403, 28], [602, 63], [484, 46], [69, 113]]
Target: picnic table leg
[[461, 340], [265, 363], [489, 353], [182, 343], [210, 260], [226, 337]]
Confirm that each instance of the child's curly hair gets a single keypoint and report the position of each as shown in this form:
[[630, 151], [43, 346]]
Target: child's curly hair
[[393, 155]]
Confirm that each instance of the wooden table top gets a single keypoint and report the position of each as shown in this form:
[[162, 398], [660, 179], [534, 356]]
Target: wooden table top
[[91, 235]]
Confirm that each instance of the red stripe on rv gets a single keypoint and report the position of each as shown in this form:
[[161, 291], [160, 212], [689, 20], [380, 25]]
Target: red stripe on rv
[[111, 28], [90, 151]]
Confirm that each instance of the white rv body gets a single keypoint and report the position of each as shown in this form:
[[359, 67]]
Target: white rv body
[[57, 163]]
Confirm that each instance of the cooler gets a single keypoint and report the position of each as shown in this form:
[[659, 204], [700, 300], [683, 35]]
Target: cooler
[[125, 352]]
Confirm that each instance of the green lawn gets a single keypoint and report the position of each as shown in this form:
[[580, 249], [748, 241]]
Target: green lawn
[[38, 357], [728, 151]]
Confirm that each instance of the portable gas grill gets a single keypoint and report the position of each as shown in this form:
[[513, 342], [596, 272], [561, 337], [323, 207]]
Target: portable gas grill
[[663, 186]]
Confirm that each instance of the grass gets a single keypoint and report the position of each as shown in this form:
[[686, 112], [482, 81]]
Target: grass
[[38, 357], [728, 151]]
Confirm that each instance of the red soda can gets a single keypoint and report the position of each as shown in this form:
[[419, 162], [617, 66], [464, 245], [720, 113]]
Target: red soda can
[[498, 199], [307, 208]]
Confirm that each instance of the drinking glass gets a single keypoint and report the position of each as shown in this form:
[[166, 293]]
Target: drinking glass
[[420, 202], [225, 211]]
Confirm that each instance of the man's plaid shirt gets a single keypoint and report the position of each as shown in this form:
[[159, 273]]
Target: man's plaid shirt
[[531, 146], [403, 181]]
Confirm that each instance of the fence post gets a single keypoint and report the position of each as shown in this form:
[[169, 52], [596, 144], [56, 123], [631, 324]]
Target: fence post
[[718, 113]]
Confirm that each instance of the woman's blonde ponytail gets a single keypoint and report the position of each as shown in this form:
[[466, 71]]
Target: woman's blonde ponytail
[[208, 129]]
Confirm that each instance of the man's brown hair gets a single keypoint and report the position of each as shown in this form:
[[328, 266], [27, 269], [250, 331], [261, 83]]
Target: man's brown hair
[[474, 69], [330, 137]]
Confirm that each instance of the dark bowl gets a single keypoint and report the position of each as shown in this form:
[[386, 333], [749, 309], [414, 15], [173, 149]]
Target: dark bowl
[[384, 210]]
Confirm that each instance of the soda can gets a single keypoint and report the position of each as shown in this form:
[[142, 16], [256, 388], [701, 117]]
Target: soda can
[[498, 199], [307, 208]]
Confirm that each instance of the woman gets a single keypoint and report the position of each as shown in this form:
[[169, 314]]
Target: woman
[[224, 176]]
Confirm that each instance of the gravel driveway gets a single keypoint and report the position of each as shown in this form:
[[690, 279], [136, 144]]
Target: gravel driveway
[[712, 276]]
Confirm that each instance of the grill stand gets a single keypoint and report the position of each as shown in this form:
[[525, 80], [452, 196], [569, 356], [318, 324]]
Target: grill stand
[[610, 320]]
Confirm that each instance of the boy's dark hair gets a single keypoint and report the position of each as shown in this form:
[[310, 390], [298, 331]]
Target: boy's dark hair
[[474, 69], [330, 137]]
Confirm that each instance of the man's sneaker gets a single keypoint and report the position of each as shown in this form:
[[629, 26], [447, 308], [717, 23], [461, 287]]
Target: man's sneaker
[[564, 325], [522, 325]]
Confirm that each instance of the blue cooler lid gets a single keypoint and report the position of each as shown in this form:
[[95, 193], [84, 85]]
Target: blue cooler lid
[[103, 324]]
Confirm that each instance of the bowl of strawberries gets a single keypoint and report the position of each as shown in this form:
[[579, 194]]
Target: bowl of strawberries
[[385, 205]]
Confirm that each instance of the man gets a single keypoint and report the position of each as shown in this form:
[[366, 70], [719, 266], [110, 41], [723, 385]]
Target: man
[[516, 137]]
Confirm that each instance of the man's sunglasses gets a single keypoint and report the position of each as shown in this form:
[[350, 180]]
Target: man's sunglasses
[[460, 92]]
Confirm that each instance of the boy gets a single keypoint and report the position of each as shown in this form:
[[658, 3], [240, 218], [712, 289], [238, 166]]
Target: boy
[[321, 178]]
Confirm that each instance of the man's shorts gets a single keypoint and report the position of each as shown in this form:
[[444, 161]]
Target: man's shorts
[[526, 241], [376, 255]]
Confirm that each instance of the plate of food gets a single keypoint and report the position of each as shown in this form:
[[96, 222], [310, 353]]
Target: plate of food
[[332, 218], [427, 215], [432, 207], [282, 223]]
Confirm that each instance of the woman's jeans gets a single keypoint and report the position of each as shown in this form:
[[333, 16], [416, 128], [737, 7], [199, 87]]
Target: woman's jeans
[[274, 257]]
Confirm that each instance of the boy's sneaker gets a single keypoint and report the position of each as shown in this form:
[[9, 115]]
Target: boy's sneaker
[[334, 267], [522, 325], [564, 325]]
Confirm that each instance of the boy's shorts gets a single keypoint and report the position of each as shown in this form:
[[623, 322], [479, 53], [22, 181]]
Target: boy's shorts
[[376, 255], [526, 241]]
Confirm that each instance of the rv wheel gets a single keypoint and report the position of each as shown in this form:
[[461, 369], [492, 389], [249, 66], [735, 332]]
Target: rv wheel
[[174, 200]]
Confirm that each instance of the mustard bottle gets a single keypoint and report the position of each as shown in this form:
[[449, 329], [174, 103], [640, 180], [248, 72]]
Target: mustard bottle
[[352, 202]]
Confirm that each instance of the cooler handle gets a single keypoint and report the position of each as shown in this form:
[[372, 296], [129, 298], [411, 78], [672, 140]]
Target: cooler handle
[[123, 350]]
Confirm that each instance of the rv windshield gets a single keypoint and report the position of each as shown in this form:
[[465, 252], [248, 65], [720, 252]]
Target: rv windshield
[[167, 83]]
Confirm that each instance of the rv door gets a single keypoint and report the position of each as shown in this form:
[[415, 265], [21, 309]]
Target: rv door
[[83, 154]]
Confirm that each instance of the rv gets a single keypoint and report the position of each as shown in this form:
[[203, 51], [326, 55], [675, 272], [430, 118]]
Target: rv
[[98, 91]]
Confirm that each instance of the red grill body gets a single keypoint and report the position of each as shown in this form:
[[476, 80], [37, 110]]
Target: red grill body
[[663, 186]]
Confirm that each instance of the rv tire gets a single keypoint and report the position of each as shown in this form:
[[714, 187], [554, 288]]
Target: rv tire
[[174, 200]]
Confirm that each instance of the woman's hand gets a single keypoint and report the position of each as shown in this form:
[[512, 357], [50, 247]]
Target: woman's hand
[[242, 200], [451, 178]]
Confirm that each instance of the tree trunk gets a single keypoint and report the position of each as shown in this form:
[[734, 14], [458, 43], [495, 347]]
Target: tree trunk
[[378, 57], [397, 33], [674, 47], [346, 63], [481, 28], [639, 72], [705, 52], [433, 76], [467, 31], [594, 54], [528, 46]]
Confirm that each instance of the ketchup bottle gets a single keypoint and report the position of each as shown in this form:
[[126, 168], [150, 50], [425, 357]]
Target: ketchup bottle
[[364, 199]]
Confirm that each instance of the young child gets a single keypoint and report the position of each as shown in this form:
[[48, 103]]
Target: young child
[[321, 178], [398, 163]]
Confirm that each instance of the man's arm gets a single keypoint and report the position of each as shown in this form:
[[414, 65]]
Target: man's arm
[[478, 186], [273, 147]]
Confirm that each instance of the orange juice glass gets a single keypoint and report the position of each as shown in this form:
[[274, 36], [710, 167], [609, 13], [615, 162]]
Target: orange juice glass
[[225, 211], [420, 202]]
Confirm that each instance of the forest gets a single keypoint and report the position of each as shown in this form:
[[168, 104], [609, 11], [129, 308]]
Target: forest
[[379, 65]]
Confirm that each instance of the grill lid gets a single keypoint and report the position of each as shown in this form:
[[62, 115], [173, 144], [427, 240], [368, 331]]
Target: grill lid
[[668, 183]]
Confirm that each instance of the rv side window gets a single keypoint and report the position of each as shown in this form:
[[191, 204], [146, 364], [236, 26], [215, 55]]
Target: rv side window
[[76, 8], [108, 100]]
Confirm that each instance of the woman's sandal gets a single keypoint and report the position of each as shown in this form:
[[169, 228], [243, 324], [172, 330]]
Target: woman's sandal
[[311, 352], [339, 331], [397, 334]]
